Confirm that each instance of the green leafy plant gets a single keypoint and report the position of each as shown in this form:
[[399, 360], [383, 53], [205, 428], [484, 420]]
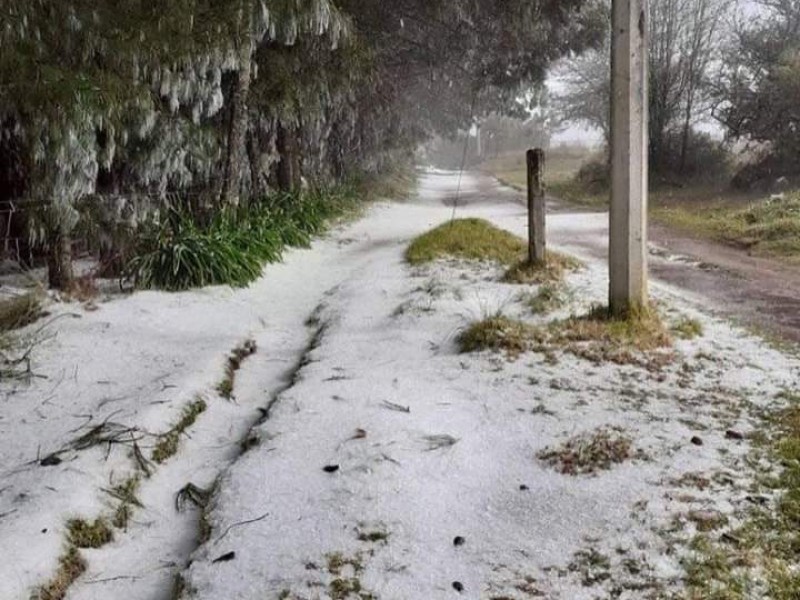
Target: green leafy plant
[[178, 252]]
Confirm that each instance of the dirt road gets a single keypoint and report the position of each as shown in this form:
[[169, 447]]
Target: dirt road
[[757, 292]]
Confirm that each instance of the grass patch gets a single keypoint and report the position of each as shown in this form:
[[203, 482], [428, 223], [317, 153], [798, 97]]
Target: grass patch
[[561, 164], [759, 558], [167, 444], [593, 567], [711, 574], [71, 565], [642, 330], [126, 494], [235, 360], [577, 192], [552, 270], [180, 251], [85, 534], [639, 339], [19, 311], [589, 453], [548, 298], [768, 228], [346, 583], [397, 184], [687, 329], [470, 239], [497, 333]]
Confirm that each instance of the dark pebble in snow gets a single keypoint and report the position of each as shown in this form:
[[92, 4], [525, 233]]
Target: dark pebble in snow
[[697, 441], [459, 541], [524, 488], [50, 461], [734, 435], [225, 557], [458, 586], [331, 468]]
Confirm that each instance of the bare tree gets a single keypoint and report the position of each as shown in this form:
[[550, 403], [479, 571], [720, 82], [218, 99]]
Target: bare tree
[[684, 45]]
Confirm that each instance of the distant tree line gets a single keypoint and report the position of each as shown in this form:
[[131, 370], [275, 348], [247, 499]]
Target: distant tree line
[[122, 107], [707, 63]]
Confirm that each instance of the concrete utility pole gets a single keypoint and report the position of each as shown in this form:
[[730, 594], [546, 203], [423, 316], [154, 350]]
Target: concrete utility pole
[[629, 156]]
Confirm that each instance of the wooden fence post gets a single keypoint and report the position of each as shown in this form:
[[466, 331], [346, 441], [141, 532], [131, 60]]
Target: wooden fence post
[[537, 209]]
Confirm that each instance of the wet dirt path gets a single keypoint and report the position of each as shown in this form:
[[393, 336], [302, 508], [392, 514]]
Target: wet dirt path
[[756, 292]]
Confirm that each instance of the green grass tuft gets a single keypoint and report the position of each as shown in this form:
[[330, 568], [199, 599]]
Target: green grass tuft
[[687, 329], [71, 565], [179, 252], [167, 445], [548, 298], [470, 239], [552, 270], [126, 494], [639, 339], [767, 228], [18, 311], [497, 333], [83, 534], [763, 560], [591, 452], [239, 354]]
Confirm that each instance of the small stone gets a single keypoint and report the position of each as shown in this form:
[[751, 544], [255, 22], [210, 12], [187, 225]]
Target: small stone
[[50, 461], [734, 435], [459, 541], [225, 557], [697, 441], [458, 586], [524, 488], [330, 468]]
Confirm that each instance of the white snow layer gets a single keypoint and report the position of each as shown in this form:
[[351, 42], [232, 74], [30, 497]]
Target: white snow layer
[[430, 445]]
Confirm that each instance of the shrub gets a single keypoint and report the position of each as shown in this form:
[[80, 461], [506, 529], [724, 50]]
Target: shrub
[[177, 252], [552, 270], [19, 311], [470, 239]]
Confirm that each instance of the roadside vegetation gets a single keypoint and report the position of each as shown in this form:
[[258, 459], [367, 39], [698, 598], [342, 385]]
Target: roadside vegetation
[[477, 239], [552, 271], [167, 445], [468, 239], [758, 556], [221, 103], [588, 453], [561, 164], [768, 228], [177, 252], [548, 297], [763, 224], [641, 339], [17, 311]]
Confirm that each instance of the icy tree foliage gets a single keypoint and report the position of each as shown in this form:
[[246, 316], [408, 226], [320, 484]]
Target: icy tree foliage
[[225, 99]]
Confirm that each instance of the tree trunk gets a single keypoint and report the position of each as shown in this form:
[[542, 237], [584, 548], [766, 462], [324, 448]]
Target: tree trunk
[[254, 157], [289, 164], [687, 129], [297, 171], [59, 259], [237, 129]]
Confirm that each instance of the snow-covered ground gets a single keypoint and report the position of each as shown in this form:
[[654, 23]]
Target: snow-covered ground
[[356, 357]]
